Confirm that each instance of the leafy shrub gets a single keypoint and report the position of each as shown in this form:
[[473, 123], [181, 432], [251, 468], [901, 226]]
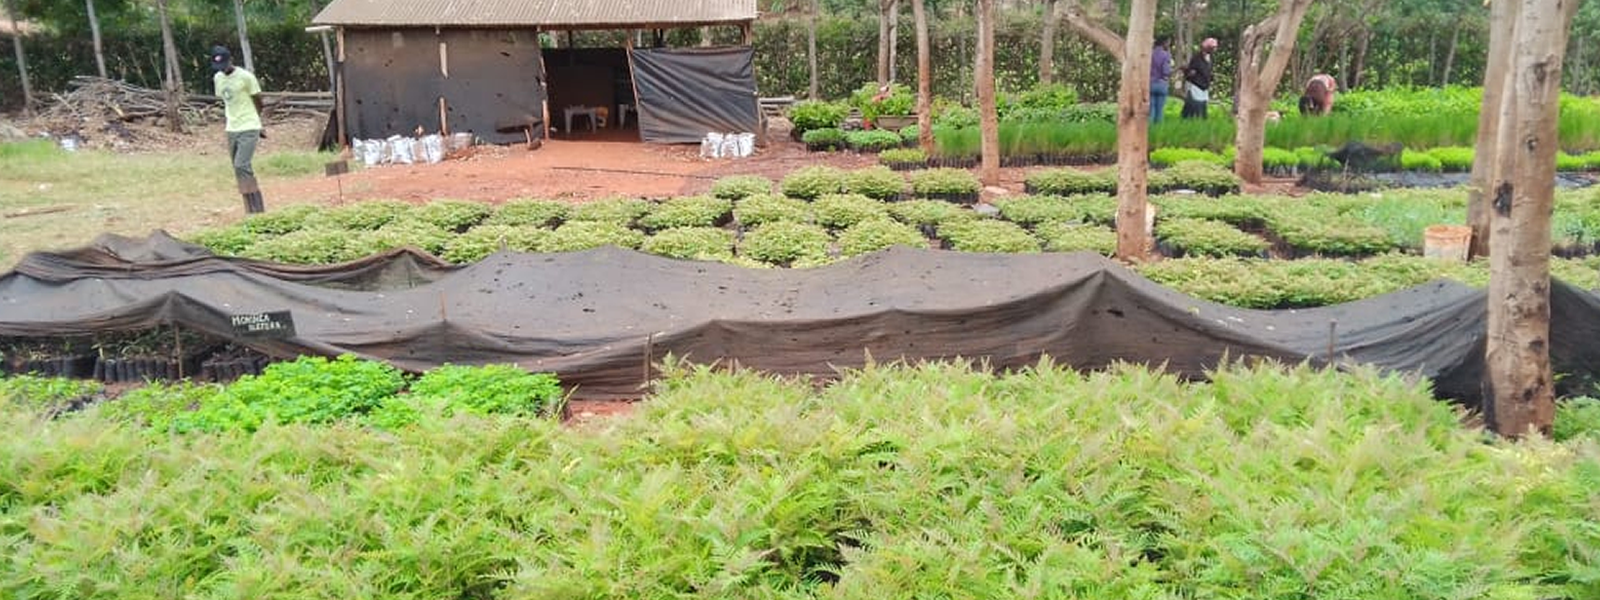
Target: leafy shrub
[[366, 216], [1569, 163], [452, 215], [1042, 102], [688, 211], [1203, 177], [930, 212], [877, 234], [783, 243], [1577, 418], [739, 187], [872, 140], [1072, 182], [306, 247], [46, 394], [875, 182], [839, 211], [1059, 236], [1314, 158], [692, 243], [1030, 211], [291, 218], [824, 139], [903, 156], [1320, 232], [157, 405], [232, 240], [1453, 159], [944, 181], [585, 235], [1239, 211], [1279, 159], [1208, 238], [988, 236], [487, 390], [311, 389], [1166, 157], [483, 240], [899, 102], [813, 182], [910, 134], [949, 115], [1411, 160], [619, 211], [529, 213], [808, 115], [768, 208], [426, 236]]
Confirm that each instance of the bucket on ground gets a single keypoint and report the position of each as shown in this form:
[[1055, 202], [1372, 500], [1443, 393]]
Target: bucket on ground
[[1449, 242]]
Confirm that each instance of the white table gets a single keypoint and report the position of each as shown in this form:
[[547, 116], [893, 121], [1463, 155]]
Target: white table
[[587, 111]]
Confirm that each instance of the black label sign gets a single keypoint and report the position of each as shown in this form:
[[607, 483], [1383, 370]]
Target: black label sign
[[264, 325]]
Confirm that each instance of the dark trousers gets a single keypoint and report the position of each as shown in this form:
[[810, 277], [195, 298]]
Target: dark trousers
[[1193, 109], [242, 149]]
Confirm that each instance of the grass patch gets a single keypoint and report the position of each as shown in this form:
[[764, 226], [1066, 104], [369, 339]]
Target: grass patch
[[93, 192]]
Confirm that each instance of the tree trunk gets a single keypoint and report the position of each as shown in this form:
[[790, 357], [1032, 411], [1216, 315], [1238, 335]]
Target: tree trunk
[[988, 115], [814, 92], [1047, 45], [1358, 72], [894, 41], [884, 41], [173, 83], [1518, 358], [1450, 54], [1495, 72], [924, 79], [707, 39], [1260, 71], [22, 59], [94, 34], [244, 36], [1133, 135]]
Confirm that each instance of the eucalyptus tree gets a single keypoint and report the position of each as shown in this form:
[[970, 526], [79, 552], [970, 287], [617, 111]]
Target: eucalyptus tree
[[1132, 50]]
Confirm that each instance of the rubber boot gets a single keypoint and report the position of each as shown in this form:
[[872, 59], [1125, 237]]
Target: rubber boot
[[261, 203], [253, 203]]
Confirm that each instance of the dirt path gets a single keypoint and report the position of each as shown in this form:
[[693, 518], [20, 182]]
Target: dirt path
[[561, 169]]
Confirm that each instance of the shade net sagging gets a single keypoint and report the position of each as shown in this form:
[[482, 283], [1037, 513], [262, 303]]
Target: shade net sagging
[[596, 317]]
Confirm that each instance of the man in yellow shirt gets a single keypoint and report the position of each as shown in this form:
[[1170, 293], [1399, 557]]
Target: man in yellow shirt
[[241, 101]]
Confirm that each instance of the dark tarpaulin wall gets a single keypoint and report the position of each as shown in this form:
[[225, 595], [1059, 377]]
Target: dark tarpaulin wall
[[494, 83], [393, 82], [686, 93], [595, 317]]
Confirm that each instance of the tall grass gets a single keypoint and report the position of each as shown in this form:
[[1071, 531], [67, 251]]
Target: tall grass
[[935, 481], [1579, 132]]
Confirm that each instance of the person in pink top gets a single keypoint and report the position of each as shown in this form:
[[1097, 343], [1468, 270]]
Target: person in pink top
[[1318, 97]]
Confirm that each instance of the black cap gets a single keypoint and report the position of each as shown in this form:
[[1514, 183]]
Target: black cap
[[221, 58]]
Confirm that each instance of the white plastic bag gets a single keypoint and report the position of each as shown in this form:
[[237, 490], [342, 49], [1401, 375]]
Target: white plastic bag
[[711, 146], [433, 148], [747, 144], [730, 146], [370, 151], [402, 150]]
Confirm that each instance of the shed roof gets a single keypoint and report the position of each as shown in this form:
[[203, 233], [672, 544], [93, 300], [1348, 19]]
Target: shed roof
[[558, 14]]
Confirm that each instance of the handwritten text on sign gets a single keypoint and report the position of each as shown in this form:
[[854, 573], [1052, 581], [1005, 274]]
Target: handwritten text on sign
[[264, 325]]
